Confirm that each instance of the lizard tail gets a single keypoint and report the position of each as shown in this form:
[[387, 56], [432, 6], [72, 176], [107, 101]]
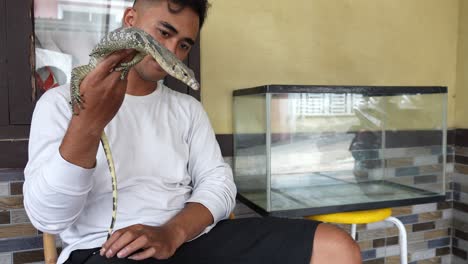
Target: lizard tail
[[110, 162]]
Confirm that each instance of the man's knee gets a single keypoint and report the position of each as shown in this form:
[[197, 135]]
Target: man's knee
[[333, 245]]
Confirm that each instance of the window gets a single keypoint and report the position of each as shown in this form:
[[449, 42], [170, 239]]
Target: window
[[65, 33], [67, 30], [317, 104]]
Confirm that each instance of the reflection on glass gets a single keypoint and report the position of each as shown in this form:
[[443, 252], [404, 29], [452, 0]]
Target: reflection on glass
[[250, 145], [65, 33]]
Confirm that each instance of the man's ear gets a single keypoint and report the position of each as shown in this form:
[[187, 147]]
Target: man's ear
[[129, 17]]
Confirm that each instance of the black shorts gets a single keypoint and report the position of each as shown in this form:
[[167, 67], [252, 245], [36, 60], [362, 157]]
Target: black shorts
[[238, 241]]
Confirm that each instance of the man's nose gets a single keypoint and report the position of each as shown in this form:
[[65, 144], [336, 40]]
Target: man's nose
[[171, 46]]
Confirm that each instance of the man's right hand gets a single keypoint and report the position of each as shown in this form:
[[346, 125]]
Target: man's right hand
[[102, 92]]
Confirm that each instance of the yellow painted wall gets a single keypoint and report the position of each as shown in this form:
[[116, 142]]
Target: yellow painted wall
[[461, 102], [354, 42]]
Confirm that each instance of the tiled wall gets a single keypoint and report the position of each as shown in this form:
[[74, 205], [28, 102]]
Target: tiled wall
[[428, 225], [20, 242], [460, 199], [428, 228]]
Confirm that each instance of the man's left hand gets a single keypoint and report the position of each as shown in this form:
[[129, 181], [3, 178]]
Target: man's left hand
[[157, 242]]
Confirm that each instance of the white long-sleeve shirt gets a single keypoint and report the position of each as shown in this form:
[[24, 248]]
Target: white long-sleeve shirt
[[165, 155]]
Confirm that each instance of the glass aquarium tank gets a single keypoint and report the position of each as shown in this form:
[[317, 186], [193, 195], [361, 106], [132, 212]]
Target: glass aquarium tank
[[306, 149]]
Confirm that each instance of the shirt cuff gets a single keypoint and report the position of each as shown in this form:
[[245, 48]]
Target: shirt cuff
[[68, 178], [209, 200]]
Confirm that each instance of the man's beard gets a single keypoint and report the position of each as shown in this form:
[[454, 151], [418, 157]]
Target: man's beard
[[141, 73]]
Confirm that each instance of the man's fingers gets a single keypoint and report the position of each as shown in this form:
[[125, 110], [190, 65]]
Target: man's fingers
[[109, 242], [137, 244], [107, 65], [114, 77], [118, 244], [147, 253], [130, 54]]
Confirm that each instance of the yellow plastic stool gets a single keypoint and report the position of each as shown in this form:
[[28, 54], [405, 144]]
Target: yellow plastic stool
[[365, 217]]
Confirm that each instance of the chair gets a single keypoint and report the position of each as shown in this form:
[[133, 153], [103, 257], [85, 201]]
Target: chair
[[50, 248], [365, 217]]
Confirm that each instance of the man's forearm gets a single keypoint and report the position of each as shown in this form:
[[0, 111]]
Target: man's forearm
[[79, 145], [191, 221]]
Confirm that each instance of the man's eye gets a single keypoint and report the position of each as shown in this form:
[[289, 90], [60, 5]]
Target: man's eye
[[185, 46], [164, 33]]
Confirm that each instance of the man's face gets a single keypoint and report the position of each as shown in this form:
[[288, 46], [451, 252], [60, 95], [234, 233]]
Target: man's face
[[176, 31]]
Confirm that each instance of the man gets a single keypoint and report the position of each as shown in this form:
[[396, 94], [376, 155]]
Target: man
[[174, 188]]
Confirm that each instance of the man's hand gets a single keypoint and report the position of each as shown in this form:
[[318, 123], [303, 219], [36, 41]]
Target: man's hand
[[103, 93], [157, 242]]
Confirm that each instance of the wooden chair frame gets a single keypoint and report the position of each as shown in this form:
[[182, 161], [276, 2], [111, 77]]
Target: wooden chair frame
[[50, 249]]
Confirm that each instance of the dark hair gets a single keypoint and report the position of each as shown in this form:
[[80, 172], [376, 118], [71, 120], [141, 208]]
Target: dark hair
[[199, 6]]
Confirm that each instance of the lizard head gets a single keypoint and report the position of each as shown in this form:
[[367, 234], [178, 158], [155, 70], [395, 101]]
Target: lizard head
[[166, 59], [144, 43], [184, 74], [172, 65]]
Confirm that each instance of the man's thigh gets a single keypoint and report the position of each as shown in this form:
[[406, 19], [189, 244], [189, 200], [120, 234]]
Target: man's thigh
[[242, 241]]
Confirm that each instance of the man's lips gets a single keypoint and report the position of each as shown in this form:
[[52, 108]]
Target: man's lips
[[156, 65]]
